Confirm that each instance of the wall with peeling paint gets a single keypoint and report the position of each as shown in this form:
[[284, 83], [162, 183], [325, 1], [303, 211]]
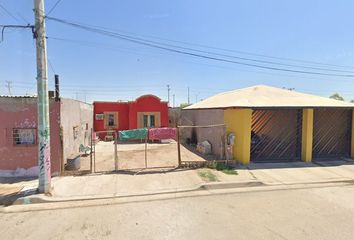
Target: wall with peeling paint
[[76, 123], [21, 112]]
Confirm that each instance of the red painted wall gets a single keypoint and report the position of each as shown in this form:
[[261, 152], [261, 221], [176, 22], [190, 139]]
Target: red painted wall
[[123, 118], [147, 103], [22, 113], [128, 111]]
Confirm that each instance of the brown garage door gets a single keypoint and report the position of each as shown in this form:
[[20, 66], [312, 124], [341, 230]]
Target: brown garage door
[[331, 133], [276, 135]]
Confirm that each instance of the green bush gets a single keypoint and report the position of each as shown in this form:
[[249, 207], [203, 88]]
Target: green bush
[[222, 167]]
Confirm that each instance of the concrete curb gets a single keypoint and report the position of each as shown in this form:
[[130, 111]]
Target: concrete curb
[[41, 198], [199, 192], [204, 187]]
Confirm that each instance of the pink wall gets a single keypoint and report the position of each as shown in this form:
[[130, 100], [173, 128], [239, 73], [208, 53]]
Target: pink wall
[[21, 112]]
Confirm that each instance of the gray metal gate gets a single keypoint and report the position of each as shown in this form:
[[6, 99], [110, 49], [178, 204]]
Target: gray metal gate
[[276, 135], [331, 133]]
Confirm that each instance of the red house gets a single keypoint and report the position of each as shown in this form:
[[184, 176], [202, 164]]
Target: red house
[[146, 111]]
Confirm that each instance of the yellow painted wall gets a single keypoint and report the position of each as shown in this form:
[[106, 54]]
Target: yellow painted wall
[[239, 122], [352, 146], [307, 135]]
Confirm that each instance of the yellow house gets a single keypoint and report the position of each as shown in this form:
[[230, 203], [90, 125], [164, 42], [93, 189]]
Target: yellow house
[[278, 124]]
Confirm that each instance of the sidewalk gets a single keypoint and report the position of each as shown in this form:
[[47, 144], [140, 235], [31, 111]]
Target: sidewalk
[[179, 180]]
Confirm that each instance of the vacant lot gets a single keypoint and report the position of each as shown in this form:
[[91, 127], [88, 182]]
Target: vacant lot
[[132, 156]]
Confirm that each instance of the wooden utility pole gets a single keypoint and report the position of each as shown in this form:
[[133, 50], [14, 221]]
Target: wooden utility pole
[[42, 100]]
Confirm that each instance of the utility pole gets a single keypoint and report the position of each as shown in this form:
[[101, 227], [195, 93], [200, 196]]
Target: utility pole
[[188, 96], [168, 93], [42, 100], [9, 86], [196, 97], [173, 100]]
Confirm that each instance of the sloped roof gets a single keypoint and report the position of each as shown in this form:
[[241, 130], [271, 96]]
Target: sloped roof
[[263, 96]]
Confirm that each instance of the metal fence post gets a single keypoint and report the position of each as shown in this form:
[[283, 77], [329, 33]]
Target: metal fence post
[[178, 147], [115, 151], [146, 152], [91, 150], [94, 158]]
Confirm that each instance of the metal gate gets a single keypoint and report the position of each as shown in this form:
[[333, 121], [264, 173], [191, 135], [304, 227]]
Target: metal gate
[[276, 135], [331, 133]]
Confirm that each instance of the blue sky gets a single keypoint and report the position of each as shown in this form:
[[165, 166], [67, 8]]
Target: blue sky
[[103, 68]]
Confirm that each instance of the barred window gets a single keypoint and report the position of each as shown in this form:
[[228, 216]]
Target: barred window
[[24, 136]]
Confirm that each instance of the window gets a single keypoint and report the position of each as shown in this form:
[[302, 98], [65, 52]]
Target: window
[[111, 120], [146, 120], [24, 136], [149, 120], [152, 120]]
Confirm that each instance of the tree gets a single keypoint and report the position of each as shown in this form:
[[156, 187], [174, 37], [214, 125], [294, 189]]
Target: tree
[[336, 96], [183, 105], [352, 101]]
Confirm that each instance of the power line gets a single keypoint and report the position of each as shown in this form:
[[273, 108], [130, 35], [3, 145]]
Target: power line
[[112, 47], [226, 50], [14, 26], [155, 45], [223, 55], [235, 57], [9, 13], [23, 18], [51, 66], [54, 6]]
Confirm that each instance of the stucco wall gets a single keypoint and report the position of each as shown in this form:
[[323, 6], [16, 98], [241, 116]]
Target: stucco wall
[[128, 112], [205, 117], [75, 114], [121, 107], [147, 103], [21, 112]]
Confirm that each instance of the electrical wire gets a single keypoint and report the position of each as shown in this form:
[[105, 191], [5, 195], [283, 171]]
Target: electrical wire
[[51, 66], [223, 49], [9, 13], [13, 26], [241, 58], [113, 47], [172, 49], [54, 6]]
